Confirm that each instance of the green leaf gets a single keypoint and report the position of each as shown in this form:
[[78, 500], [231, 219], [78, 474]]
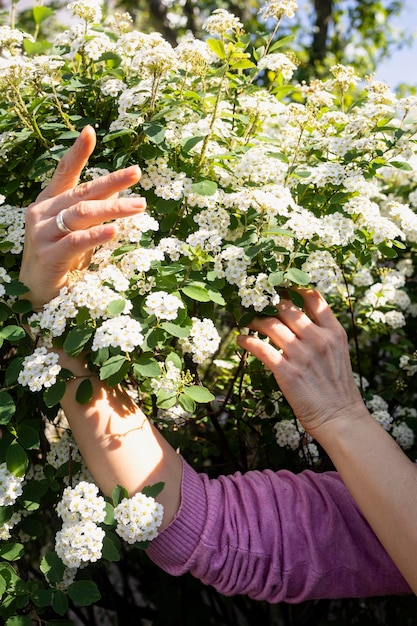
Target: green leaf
[[153, 490], [54, 394], [154, 132], [7, 407], [118, 494], [84, 393], [216, 296], [205, 187], [387, 251], [11, 551], [187, 403], [175, 359], [22, 306], [19, 620], [69, 134], [12, 333], [114, 370], [297, 276], [3, 586], [76, 340], [84, 592], [13, 370], [16, 459], [116, 307], [281, 42], [60, 602], [112, 60], [165, 400], [16, 288], [111, 548], [109, 517], [32, 527], [276, 278], [28, 437], [52, 567], [199, 394], [217, 47], [43, 597], [175, 330], [401, 165], [189, 143], [5, 514], [195, 292], [146, 366], [41, 13]]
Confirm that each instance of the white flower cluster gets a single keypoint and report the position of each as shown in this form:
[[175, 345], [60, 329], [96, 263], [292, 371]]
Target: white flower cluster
[[10, 486], [221, 22], [170, 381], [138, 518], [322, 270], [292, 435], [203, 340], [256, 292], [408, 364], [12, 229], [39, 370], [279, 63], [403, 435], [6, 527], [88, 10], [278, 8], [61, 449], [163, 305], [4, 278], [120, 331], [379, 410], [80, 540]]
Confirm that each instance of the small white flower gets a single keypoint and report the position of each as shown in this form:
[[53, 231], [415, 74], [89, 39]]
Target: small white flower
[[121, 332], [40, 369], [10, 486], [163, 305], [138, 518]]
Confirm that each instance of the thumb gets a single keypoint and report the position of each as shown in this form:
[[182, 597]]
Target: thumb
[[71, 165]]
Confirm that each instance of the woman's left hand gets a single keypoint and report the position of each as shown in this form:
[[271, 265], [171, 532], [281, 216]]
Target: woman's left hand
[[85, 209]]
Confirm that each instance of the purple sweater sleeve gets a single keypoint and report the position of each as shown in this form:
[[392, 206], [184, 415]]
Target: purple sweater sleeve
[[275, 536]]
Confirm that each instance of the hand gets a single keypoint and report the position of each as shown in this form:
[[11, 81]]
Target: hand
[[50, 254], [309, 358]]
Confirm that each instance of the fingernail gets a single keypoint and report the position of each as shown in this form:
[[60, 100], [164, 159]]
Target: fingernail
[[139, 203], [133, 169]]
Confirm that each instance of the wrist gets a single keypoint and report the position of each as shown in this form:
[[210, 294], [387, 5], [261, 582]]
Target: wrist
[[346, 425]]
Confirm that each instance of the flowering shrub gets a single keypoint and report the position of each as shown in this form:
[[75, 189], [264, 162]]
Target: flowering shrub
[[254, 184]]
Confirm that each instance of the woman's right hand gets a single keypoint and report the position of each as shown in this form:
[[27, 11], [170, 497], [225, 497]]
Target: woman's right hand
[[49, 254], [308, 354]]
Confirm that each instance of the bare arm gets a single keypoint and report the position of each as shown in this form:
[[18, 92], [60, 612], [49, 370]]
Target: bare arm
[[117, 442], [313, 370]]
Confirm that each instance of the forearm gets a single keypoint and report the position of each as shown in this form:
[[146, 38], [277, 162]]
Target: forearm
[[382, 480], [118, 443]]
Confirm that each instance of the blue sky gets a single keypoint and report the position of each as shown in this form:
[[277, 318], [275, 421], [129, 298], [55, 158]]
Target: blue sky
[[402, 66]]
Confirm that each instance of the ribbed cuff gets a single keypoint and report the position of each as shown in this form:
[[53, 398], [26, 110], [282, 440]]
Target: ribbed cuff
[[173, 549]]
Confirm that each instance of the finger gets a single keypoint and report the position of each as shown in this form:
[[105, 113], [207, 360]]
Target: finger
[[80, 243], [318, 309], [265, 352], [85, 214], [273, 328], [101, 188], [71, 165]]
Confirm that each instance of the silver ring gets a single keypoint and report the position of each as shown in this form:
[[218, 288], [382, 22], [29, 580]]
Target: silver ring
[[61, 224]]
